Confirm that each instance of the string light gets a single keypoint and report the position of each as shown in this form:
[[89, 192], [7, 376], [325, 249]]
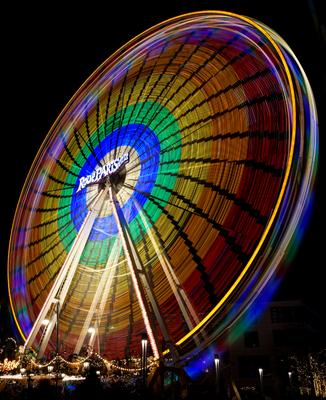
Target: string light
[[86, 362], [8, 366]]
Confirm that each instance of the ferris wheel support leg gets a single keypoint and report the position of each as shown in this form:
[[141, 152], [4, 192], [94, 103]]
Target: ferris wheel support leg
[[103, 290], [139, 278], [46, 337], [67, 271], [63, 290], [146, 285], [180, 295]]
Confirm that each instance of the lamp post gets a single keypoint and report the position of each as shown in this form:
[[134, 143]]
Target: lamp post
[[261, 372], [57, 310], [86, 367], [91, 331], [217, 372], [290, 381], [144, 343]]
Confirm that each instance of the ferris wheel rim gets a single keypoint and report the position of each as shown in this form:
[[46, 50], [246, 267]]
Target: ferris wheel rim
[[284, 182]]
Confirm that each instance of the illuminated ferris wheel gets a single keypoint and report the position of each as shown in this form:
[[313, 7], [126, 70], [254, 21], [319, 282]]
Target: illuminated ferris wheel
[[167, 191]]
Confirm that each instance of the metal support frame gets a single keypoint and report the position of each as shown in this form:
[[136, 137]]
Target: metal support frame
[[184, 303], [64, 278], [143, 290], [140, 280]]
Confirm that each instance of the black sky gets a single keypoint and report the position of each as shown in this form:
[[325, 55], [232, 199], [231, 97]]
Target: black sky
[[48, 52]]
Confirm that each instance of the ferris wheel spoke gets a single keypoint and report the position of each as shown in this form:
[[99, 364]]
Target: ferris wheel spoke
[[153, 198], [197, 90], [75, 163], [115, 114], [192, 250], [120, 105], [207, 120], [88, 142], [80, 216], [122, 114], [80, 147], [246, 103], [174, 77], [99, 128], [245, 206], [141, 98], [152, 89], [229, 239], [131, 93], [106, 117], [200, 87], [188, 79], [64, 168], [50, 246]]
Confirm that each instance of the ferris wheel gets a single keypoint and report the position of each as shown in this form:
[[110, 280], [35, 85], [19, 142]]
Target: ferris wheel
[[167, 191]]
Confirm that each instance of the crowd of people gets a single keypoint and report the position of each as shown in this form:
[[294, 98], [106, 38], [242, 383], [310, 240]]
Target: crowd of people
[[92, 387]]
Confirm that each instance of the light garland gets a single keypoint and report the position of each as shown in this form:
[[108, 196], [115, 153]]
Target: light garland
[[8, 366], [56, 358], [311, 373]]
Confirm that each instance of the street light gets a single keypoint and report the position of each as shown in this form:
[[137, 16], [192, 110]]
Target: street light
[[261, 371], [57, 310], [217, 372], [91, 330], [86, 367], [144, 343]]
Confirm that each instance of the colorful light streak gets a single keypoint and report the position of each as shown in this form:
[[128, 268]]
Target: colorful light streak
[[220, 125]]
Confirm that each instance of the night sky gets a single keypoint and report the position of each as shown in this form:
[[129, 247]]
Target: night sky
[[47, 53]]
